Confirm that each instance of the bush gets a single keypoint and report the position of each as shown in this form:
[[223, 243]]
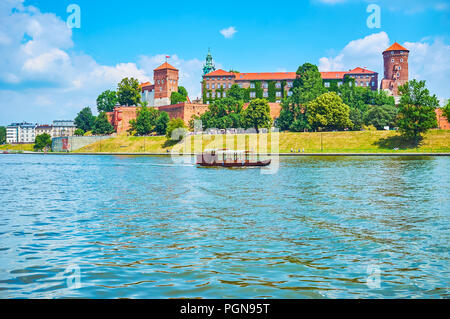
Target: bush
[[176, 130]]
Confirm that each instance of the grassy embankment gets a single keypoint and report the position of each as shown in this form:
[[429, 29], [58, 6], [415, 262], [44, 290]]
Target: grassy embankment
[[18, 147], [437, 141]]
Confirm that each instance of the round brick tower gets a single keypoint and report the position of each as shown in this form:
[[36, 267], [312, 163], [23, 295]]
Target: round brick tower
[[396, 72]]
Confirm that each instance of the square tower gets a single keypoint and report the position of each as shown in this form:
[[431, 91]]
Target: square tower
[[165, 82], [396, 71]]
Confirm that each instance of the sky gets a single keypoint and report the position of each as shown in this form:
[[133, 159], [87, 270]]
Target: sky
[[49, 71]]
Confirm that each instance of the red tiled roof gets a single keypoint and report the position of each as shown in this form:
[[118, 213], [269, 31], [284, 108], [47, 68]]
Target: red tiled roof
[[266, 76], [142, 85], [360, 70], [220, 72], [396, 47], [333, 75], [165, 66]]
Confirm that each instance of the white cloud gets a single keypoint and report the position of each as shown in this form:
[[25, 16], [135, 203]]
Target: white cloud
[[365, 52], [42, 78], [229, 32], [429, 60]]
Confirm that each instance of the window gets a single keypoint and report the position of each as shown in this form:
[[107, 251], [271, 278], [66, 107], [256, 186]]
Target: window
[[159, 82], [252, 95], [399, 67], [327, 84], [290, 93], [401, 60], [278, 94], [224, 94], [218, 94], [252, 85], [278, 85], [207, 95], [373, 83], [290, 84], [229, 85], [339, 83], [213, 86], [207, 86], [213, 95], [265, 85], [266, 94], [392, 60]]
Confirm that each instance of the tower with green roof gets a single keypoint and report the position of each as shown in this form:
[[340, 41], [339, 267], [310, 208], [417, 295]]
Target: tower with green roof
[[209, 66]]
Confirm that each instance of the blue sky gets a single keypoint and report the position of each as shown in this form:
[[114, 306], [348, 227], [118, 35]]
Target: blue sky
[[48, 71]]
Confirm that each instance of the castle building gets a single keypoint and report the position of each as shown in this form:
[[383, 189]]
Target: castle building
[[165, 79], [396, 72], [274, 86]]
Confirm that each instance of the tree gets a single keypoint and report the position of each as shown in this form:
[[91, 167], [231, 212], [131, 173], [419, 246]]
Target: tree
[[129, 92], [102, 126], [85, 119], [381, 116], [307, 86], [145, 121], [79, 132], [42, 141], [236, 93], [223, 113], [182, 90], [2, 135], [416, 114], [161, 123], [329, 112], [107, 101], [177, 97], [445, 111], [176, 130], [356, 117], [257, 115]]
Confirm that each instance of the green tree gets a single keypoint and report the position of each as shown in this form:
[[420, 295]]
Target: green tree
[[307, 86], [106, 101], [2, 135], [177, 97], [79, 132], [329, 112], [446, 110], [85, 119], [102, 126], [176, 130], [145, 121], [381, 116], [257, 115], [182, 90], [236, 93], [417, 110], [129, 92], [357, 119], [42, 141], [161, 123], [223, 113]]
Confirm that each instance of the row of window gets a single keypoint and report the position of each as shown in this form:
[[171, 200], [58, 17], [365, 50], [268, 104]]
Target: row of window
[[169, 80], [327, 84], [252, 94], [224, 78], [219, 85]]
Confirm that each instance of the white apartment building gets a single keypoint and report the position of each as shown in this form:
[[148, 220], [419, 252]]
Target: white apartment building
[[21, 133]]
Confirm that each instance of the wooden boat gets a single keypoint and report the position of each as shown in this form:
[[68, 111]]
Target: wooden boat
[[227, 158]]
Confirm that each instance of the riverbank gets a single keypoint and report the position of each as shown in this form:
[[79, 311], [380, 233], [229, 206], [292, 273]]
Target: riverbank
[[368, 142]]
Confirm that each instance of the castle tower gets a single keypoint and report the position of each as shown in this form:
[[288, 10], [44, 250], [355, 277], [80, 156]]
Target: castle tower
[[165, 81], [396, 72], [209, 66]]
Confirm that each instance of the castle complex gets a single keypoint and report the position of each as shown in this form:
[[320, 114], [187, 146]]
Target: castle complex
[[273, 86]]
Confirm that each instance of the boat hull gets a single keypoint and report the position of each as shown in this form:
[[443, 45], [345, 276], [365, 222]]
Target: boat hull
[[236, 164]]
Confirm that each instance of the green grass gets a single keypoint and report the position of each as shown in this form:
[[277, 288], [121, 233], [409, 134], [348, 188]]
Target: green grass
[[17, 147], [328, 142]]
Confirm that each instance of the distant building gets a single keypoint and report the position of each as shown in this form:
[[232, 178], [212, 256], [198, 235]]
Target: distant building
[[165, 79], [44, 129], [396, 70], [61, 128], [217, 83], [442, 121], [361, 76], [21, 133]]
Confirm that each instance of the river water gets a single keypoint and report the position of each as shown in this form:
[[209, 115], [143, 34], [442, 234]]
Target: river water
[[145, 227]]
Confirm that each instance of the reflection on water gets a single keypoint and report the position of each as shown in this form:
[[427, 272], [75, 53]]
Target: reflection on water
[[141, 227]]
